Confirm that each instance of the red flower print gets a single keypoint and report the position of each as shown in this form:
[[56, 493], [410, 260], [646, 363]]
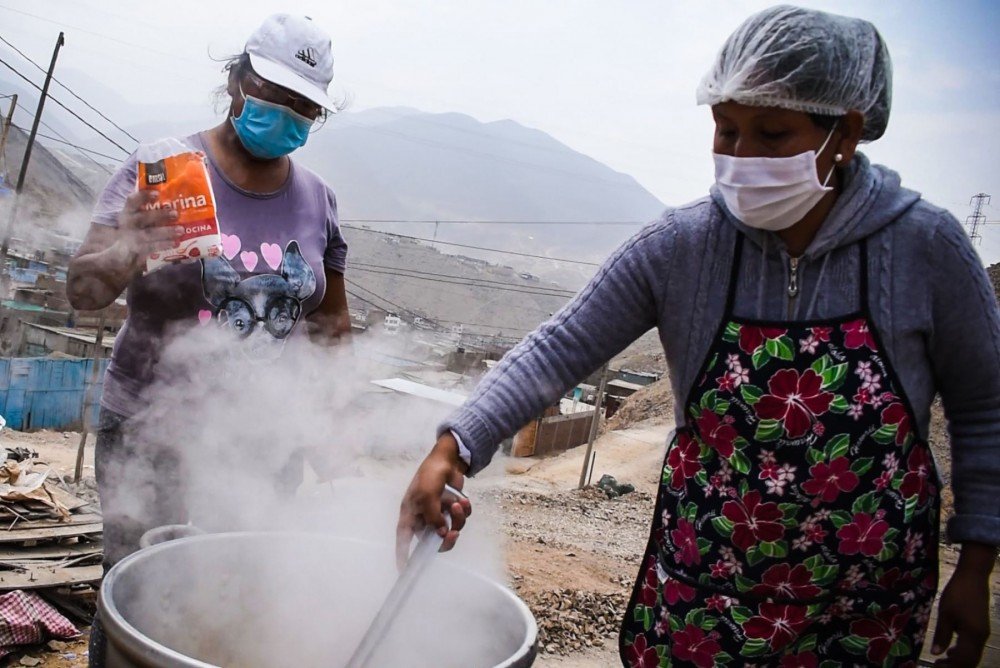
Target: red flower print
[[829, 480], [683, 460], [686, 541], [795, 400], [896, 414], [648, 591], [640, 655], [716, 432], [783, 581], [674, 590], [857, 334], [822, 333], [865, 535], [753, 521], [718, 603], [915, 481], [691, 644], [752, 338], [778, 624], [725, 382], [881, 631]]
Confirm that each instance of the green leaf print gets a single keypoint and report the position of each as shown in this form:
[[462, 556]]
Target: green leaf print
[[721, 407], [754, 647], [732, 333], [863, 465], [760, 357], [909, 508], [780, 348], [743, 583], [901, 647], [768, 430], [755, 556], [701, 478], [834, 377], [647, 623], [723, 658], [708, 400], [639, 613], [675, 624], [709, 623], [789, 510], [777, 549], [704, 545], [888, 552], [723, 526], [839, 404], [807, 644], [740, 614], [837, 446], [813, 561], [814, 456], [854, 644], [839, 518], [695, 617], [824, 575], [866, 503], [691, 512], [821, 365], [744, 487], [665, 661], [886, 434], [739, 462], [751, 393]]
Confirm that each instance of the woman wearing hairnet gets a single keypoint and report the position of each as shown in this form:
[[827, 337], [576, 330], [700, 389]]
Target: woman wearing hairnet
[[810, 309]]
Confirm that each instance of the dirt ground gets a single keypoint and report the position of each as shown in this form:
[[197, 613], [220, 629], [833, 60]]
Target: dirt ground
[[564, 547]]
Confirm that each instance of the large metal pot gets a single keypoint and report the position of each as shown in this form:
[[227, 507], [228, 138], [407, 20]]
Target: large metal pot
[[297, 599]]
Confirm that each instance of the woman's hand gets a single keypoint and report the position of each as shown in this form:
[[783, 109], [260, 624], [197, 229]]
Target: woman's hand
[[964, 609], [425, 501], [143, 231]]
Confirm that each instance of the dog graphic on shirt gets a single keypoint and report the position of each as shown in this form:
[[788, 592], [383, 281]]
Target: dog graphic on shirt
[[260, 310]]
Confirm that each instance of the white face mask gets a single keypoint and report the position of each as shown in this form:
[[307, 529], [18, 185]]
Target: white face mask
[[771, 193]]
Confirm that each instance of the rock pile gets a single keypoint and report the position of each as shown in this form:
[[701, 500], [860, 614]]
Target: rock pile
[[572, 619]]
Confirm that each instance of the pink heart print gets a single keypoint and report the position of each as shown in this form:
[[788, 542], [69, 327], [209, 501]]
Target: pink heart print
[[271, 254], [231, 245], [249, 260], [204, 316]]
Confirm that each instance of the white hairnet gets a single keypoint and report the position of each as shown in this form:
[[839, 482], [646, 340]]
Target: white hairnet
[[804, 60]]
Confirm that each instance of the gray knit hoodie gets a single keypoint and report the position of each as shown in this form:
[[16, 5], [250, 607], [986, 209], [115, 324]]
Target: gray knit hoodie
[[930, 299]]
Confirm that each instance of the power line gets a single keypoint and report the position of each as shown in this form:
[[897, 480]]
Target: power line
[[402, 309], [73, 113], [471, 285], [143, 48], [71, 92], [60, 137], [478, 281], [68, 143], [495, 222], [483, 248]]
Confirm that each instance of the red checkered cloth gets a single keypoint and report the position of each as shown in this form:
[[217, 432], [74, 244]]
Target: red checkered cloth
[[25, 619]]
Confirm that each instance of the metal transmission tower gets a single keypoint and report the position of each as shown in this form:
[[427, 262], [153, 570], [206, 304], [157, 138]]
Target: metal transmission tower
[[976, 221]]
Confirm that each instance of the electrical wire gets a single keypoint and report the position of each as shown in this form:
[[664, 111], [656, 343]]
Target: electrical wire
[[70, 91], [471, 285], [458, 245], [479, 282], [69, 143], [73, 113], [608, 223]]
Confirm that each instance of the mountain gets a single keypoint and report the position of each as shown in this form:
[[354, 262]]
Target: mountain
[[404, 164]]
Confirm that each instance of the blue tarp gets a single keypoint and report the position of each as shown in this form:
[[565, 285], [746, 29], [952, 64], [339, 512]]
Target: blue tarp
[[41, 393]]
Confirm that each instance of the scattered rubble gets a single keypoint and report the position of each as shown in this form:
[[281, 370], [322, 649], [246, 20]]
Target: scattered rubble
[[573, 619], [613, 488]]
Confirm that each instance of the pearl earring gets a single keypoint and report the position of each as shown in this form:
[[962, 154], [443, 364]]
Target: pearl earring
[[837, 158]]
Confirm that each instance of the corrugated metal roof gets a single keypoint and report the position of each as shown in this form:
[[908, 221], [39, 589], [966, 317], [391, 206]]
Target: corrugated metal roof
[[423, 391]]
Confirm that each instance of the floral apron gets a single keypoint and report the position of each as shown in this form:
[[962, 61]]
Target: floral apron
[[796, 522]]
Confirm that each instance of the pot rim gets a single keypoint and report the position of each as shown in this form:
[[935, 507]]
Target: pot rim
[[141, 647]]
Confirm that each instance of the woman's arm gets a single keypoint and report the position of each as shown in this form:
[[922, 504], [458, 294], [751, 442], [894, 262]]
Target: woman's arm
[[965, 353], [331, 320]]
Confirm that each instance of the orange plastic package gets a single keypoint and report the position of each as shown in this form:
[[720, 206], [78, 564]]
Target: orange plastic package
[[180, 174]]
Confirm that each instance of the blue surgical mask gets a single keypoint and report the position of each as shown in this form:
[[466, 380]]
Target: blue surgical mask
[[268, 130]]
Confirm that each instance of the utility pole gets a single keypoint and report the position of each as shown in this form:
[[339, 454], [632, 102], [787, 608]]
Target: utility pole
[[27, 150], [6, 128], [598, 403], [978, 218]]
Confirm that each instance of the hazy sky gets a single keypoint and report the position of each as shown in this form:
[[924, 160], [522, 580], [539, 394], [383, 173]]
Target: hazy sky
[[614, 80]]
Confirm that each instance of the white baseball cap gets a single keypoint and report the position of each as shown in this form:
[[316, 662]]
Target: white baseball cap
[[293, 52]]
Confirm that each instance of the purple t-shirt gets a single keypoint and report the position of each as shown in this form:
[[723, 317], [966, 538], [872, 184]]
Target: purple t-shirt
[[276, 247]]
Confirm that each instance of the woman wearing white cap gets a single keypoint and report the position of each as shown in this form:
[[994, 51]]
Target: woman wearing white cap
[[282, 262]]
